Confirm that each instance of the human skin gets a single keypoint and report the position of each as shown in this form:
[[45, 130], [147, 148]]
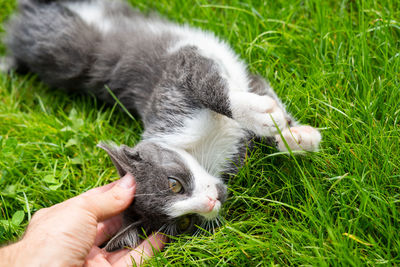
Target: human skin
[[70, 233]]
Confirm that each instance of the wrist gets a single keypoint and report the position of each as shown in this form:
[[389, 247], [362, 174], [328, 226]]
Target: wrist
[[34, 253]]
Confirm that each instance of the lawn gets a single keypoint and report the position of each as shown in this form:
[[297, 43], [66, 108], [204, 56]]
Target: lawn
[[336, 65]]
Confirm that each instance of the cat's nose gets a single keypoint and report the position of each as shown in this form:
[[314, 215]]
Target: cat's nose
[[211, 203]]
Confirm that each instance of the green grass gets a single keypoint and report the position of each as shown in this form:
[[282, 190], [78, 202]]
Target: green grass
[[337, 66]]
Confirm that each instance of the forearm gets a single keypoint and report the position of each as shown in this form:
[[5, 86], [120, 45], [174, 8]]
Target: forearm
[[23, 253], [11, 255]]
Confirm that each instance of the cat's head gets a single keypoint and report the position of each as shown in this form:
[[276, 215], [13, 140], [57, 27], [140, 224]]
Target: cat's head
[[173, 192]]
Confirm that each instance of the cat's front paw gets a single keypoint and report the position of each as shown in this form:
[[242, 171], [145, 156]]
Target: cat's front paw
[[259, 114], [299, 138]]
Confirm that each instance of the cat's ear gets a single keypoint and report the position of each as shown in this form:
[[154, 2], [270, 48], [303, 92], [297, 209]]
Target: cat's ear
[[151, 152], [123, 157], [126, 237]]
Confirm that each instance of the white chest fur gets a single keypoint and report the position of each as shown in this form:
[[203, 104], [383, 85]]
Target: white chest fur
[[212, 139]]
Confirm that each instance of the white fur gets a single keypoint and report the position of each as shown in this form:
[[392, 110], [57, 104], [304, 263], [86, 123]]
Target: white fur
[[211, 138], [206, 143], [299, 138], [92, 13], [204, 195], [6, 64], [208, 140], [257, 113], [232, 68], [3, 67]]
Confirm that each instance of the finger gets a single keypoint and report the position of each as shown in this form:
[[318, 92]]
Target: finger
[[146, 249], [115, 256], [112, 202], [108, 228], [100, 189], [96, 257]]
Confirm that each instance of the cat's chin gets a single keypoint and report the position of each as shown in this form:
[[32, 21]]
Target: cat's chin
[[209, 216]]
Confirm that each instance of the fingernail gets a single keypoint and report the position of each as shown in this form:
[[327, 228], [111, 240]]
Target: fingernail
[[127, 181]]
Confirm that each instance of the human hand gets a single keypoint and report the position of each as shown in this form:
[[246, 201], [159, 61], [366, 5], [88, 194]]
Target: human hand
[[69, 233]]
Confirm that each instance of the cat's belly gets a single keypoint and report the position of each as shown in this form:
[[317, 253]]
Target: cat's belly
[[212, 139]]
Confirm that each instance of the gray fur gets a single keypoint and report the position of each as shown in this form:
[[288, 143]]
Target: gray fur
[[260, 86], [162, 88], [149, 162]]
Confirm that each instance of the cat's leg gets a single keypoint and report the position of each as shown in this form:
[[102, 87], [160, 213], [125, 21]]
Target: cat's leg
[[205, 83], [297, 136], [260, 114], [301, 137], [52, 42]]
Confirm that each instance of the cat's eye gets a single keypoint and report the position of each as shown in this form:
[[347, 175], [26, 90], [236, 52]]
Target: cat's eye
[[175, 185], [184, 223]]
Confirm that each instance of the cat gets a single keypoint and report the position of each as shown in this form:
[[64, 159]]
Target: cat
[[200, 106]]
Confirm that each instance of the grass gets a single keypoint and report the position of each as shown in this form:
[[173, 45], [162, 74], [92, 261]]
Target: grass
[[335, 64]]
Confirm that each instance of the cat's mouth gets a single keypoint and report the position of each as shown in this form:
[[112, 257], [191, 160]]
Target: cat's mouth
[[212, 212], [204, 206], [207, 208], [190, 223]]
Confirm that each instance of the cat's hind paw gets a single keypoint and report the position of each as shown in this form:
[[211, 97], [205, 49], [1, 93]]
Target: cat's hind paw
[[259, 114], [304, 138]]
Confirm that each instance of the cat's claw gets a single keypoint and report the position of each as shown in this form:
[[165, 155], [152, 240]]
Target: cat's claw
[[303, 137], [259, 114]]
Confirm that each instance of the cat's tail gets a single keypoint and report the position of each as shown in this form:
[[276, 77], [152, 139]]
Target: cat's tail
[[46, 38]]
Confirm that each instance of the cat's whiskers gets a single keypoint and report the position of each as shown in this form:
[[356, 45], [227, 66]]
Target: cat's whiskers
[[217, 220], [197, 232], [140, 195], [166, 229], [163, 229], [152, 194]]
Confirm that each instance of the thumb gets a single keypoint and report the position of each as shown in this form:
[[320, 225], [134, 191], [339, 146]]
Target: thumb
[[112, 202]]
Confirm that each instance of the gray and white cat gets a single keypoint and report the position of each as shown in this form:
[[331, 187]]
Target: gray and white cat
[[199, 105]]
